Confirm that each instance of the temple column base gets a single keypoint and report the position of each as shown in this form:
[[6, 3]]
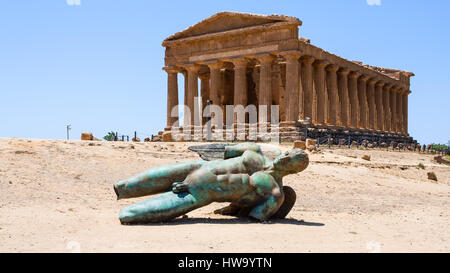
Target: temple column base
[[285, 132]]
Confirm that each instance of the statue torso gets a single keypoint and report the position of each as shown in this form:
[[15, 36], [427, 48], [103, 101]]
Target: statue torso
[[226, 180]]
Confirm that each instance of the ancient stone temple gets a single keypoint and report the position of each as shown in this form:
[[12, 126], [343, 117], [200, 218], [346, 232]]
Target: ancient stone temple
[[246, 59]]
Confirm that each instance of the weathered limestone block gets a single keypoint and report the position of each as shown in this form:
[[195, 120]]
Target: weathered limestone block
[[331, 141], [418, 147], [393, 145], [311, 148], [311, 142], [300, 144], [366, 157], [441, 160], [87, 136], [364, 143], [432, 176]]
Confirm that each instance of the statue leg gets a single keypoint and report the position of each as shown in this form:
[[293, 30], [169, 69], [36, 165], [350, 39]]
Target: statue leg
[[230, 210], [288, 203], [161, 208], [155, 180]]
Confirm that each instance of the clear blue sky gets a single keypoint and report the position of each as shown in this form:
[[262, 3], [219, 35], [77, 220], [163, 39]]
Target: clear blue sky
[[98, 65]]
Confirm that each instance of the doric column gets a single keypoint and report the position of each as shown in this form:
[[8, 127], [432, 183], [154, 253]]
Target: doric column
[[204, 92], [334, 109], [214, 71], [372, 104], [215, 83], [307, 84], [405, 111], [292, 86], [362, 99], [204, 88], [191, 94], [172, 95], [380, 106], [399, 101], [354, 103], [320, 103], [344, 97], [301, 99], [240, 85], [265, 87], [387, 107], [240, 81], [393, 99], [186, 84]]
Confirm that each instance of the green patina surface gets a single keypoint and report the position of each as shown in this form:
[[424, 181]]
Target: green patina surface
[[245, 178]]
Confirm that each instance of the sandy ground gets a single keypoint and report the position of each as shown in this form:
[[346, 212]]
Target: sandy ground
[[57, 196]]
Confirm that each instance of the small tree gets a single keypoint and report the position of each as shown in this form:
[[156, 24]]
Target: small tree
[[435, 146], [110, 136]]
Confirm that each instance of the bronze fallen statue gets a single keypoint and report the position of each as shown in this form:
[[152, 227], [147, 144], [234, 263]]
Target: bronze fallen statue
[[246, 178]]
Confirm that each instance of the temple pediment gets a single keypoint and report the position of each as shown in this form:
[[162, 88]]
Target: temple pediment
[[226, 21]]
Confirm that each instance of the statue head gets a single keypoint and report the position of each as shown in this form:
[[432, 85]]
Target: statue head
[[291, 162]]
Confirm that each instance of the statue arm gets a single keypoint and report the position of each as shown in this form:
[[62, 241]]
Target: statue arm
[[239, 149], [266, 187], [155, 180]]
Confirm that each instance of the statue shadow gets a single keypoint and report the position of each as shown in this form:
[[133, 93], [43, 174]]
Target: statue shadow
[[230, 221]]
